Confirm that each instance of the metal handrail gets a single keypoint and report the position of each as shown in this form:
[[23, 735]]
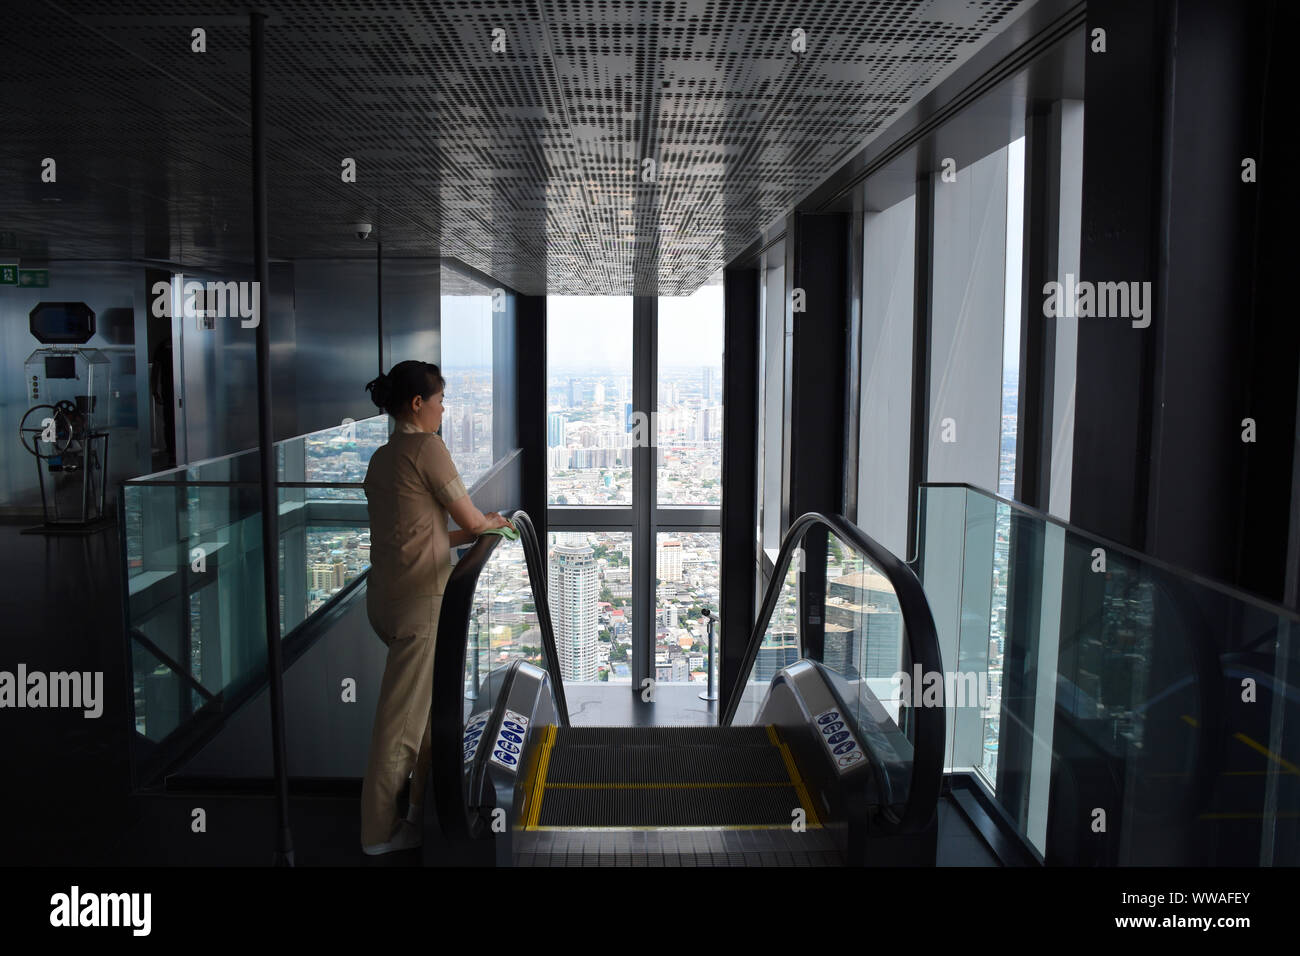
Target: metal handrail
[[449, 669], [923, 647], [541, 602], [447, 713]]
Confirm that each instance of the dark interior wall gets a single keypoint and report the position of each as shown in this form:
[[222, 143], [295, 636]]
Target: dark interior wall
[[1120, 215], [218, 371], [743, 329], [335, 344], [412, 290], [1159, 460], [530, 399], [324, 348], [1198, 456], [1270, 389]]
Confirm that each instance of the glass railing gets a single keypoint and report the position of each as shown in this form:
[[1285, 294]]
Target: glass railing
[[503, 625], [840, 599], [193, 554], [1119, 710]]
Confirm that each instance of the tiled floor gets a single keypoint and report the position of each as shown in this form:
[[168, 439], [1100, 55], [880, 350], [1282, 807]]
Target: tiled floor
[[959, 843]]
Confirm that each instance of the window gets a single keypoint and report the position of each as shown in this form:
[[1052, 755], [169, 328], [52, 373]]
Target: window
[[1011, 318], [690, 397], [589, 415], [968, 319], [686, 565], [468, 331], [590, 588], [885, 417], [611, 496], [771, 433]]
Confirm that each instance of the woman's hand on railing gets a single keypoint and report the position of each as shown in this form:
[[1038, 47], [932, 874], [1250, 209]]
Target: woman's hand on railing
[[493, 520]]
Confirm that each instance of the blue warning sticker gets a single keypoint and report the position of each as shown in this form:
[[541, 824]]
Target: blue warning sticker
[[844, 749], [509, 744], [474, 733]]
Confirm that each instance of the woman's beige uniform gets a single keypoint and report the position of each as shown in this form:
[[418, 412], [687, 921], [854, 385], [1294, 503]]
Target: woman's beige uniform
[[409, 485]]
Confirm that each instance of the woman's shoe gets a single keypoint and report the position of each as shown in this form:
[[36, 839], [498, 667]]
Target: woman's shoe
[[407, 837]]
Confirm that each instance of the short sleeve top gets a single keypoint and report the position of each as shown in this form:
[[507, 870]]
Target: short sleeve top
[[409, 485]]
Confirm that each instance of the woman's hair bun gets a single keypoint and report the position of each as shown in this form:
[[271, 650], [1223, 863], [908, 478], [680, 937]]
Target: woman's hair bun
[[393, 392], [381, 391]]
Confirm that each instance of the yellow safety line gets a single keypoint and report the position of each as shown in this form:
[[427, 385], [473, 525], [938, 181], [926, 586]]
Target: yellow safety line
[[703, 785], [668, 829], [537, 786], [1280, 761], [1256, 746], [797, 780]]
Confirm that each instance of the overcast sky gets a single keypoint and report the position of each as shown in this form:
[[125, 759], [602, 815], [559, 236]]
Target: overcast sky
[[592, 331]]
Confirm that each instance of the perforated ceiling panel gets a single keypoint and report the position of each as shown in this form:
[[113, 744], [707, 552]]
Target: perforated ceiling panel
[[527, 163]]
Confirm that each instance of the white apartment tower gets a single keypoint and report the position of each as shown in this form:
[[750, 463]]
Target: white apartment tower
[[574, 594]]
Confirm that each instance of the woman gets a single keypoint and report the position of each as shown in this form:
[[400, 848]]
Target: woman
[[411, 486]]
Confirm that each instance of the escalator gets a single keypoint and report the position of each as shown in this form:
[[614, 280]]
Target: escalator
[[816, 759]]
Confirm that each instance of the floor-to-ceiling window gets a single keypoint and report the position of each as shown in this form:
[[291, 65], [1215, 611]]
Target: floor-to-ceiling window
[[688, 480], [597, 500], [590, 429]]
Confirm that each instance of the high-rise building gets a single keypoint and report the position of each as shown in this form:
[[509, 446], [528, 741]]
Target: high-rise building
[[780, 648], [705, 427], [575, 393], [574, 593], [322, 577], [708, 385], [670, 561], [599, 394], [555, 430]]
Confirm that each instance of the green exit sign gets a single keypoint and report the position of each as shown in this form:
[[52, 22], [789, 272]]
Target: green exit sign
[[8, 273], [34, 278]]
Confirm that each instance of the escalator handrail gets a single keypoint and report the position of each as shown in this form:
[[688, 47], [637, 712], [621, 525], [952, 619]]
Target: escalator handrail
[[923, 647], [541, 602], [447, 715], [448, 707]]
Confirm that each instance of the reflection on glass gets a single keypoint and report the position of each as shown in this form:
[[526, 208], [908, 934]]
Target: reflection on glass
[[590, 422], [863, 623], [339, 455], [779, 648], [590, 589], [1164, 699], [690, 397], [687, 574], [194, 564], [503, 621]]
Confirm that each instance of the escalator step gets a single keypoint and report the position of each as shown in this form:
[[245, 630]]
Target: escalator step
[[665, 777], [642, 763], [745, 736], [686, 806]]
